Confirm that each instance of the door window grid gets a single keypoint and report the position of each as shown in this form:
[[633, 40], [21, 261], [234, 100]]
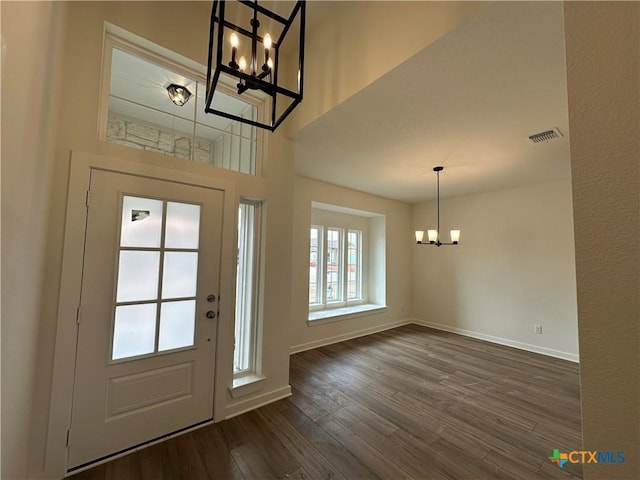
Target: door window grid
[[160, 316], [335, 277]]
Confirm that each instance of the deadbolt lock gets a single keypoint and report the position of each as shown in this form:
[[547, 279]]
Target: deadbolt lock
[[211, 298], [211, 314]]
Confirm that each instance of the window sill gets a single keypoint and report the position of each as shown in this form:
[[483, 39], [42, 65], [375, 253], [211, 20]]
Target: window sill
[[320, 317], [246, 384]]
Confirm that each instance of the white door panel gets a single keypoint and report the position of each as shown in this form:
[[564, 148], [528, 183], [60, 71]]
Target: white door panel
[[146, 338]]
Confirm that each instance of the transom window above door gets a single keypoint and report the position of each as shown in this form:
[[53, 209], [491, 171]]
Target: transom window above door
[[138, 111]]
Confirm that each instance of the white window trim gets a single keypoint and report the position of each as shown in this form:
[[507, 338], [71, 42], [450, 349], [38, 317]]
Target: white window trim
[[319, 276], [360, 278], [250, 380], [344, 303], [373, 261], [246, 383], [326, 304], [320, 317]]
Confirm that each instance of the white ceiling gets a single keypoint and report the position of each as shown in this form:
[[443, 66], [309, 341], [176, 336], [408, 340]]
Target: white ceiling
[[468, 102]]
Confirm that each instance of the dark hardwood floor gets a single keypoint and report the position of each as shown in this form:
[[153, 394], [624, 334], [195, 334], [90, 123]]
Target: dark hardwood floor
[[411, 402]]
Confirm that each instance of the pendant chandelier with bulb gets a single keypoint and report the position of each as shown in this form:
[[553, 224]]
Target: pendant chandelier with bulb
[[245, 61], [433, 236]]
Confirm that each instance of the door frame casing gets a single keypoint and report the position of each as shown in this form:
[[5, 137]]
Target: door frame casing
[[61, 402]]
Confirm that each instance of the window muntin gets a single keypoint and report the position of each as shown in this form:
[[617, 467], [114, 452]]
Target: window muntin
[[156, 278], [138, 113], [244, 357], [335, 267]]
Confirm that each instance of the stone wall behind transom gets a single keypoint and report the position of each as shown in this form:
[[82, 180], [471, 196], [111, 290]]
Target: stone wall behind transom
[[146, 136]]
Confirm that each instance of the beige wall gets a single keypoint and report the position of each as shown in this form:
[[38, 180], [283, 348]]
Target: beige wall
[[31, 76], [603, 64], [380, 35], [78, 126], [398, 243], [514, 268], [602, 59]]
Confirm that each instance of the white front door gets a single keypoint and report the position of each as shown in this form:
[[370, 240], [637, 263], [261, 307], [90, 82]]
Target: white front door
[[148, 315]]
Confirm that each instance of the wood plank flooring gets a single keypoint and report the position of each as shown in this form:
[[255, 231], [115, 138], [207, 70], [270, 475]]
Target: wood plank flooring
[[411, 402]]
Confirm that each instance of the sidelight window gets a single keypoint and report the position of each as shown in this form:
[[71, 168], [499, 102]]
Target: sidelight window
[[244, 358]]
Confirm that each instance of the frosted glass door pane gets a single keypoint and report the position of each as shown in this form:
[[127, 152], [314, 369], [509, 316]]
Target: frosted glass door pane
[[183, 225], [180, 274], [135, 330], [141, 222], [177, 321], [138, 276]]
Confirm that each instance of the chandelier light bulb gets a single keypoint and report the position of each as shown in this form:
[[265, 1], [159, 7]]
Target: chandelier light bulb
[[419, 235], [242, 63], [432, 235], [267, 45], [234, 50], [455, 236]]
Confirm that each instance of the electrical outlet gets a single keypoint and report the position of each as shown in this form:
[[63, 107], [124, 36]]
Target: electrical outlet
[[537, 329]]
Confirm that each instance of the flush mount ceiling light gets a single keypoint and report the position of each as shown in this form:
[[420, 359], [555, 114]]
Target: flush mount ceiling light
[[244, 61], [433, 235], [178, 94]]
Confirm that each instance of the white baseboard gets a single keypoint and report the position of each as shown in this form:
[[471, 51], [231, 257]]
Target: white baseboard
[[257, 402], [348, 336], [572, 357]]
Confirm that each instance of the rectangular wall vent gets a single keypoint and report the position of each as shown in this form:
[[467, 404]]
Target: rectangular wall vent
[[545, 136]]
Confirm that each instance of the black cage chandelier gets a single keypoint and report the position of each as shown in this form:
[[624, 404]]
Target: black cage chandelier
[[434, 235], [246, 62]]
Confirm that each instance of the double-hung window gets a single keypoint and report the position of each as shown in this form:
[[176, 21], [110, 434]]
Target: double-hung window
[[335, 267]]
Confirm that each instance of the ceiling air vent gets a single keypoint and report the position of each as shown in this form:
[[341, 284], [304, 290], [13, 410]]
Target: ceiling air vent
[[545, 136]]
